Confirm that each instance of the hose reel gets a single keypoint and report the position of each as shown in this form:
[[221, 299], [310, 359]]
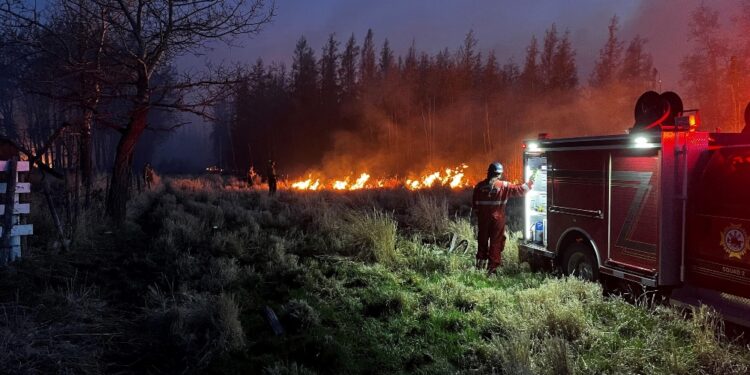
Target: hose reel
[[653, 110]]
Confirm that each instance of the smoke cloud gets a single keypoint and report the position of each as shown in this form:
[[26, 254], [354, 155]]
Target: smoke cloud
[[402, 131]]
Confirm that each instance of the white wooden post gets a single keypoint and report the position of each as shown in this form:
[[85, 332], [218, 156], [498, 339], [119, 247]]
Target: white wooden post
[[12, 209]]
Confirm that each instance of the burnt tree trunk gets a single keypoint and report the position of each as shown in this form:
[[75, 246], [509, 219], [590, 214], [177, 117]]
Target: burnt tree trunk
[[85, 155], [119, 187]]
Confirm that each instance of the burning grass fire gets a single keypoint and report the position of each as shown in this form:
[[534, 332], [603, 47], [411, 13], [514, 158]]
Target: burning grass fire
[[454, 178]]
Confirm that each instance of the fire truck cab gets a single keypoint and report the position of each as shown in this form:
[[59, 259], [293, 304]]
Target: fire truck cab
[[666, 207]]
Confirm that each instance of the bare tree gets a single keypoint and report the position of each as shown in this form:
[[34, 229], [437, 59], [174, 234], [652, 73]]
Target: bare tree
[[63, 47], [133, 40], [147, 34]]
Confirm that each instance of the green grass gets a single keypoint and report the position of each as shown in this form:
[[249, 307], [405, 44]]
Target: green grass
[[361, 283]]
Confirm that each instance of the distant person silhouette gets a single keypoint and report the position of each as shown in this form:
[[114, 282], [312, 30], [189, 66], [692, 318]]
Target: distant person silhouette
[[271, 176], [251, 175], [148, 175]]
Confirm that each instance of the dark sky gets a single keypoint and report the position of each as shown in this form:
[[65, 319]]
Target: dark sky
[[503, 26]]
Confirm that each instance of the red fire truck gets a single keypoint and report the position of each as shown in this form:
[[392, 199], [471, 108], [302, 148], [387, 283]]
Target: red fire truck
[[665, 206]]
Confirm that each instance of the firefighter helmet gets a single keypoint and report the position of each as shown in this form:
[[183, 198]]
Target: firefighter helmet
[[495, 169]]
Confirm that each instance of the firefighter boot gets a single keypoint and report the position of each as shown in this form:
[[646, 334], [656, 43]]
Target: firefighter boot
[[492, 268], [481, 264]]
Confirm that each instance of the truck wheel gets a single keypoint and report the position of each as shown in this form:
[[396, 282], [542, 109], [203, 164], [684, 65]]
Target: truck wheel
[[579, 261]]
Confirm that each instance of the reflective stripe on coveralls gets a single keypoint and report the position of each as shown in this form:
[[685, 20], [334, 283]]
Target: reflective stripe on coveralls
[[491, 203], [499, 203]]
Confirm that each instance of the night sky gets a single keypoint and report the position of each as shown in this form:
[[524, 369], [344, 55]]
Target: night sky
[[503, 26]]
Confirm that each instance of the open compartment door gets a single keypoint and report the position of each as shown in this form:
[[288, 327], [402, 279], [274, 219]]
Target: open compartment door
[[535, 202]]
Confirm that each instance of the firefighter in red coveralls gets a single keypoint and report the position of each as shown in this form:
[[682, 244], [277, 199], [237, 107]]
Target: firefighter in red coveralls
[[489, 199]]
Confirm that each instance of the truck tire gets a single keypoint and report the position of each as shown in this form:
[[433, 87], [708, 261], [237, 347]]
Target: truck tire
[[579, 261]]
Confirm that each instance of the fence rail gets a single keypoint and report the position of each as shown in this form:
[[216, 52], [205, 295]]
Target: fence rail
[[10, 241]]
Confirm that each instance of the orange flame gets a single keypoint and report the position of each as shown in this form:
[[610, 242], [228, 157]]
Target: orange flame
[[307, 184], [454, 178]]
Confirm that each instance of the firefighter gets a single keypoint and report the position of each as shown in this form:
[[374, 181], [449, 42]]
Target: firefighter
[[271, 176], [251, 176], [148, 175], [489, 199]]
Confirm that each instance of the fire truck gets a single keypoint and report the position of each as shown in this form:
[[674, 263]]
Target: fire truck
[[664, 206]]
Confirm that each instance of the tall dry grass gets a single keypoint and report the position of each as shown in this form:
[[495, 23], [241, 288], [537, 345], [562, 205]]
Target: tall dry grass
[[362, 282], [428, 214], [371, 235]]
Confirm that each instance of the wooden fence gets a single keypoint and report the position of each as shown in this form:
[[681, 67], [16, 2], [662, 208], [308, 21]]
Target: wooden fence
[[12, 209]]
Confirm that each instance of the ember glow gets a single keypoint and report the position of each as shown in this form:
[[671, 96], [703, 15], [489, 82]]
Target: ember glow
[[454, 178]]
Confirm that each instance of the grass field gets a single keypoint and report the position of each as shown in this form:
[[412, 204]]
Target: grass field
[[361, 282]]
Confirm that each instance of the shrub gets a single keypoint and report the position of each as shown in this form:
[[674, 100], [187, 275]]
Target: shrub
[[200, 184], [187, 266], [712, 350], [89, 222], [180, 231], [231, 336], [395, 305], [279, 269], [200, 327], [371, 235], [383, 304], [464, 230], [298, 315], [228, 243], [65, 330], [557, 307], [422, 258], [284, 368], [516, 355], [222, 272], [237, 216], [511, 260], [211, 215], [32, 343], [429, 214], [555, 357]]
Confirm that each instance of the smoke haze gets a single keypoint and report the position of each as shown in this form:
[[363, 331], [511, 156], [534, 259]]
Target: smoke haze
[[503, 27]]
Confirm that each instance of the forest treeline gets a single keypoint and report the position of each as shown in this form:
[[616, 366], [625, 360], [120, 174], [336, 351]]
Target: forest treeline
[[357, 106], [353, 105]]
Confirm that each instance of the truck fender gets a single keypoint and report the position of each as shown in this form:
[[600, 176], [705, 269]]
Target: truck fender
[[573, 231]]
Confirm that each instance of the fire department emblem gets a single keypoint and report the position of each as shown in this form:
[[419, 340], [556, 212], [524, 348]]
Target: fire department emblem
[[734, 241]]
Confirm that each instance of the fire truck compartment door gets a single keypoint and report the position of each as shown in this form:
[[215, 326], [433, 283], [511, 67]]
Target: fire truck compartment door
[[633, 213], [718, 246], [578, 184], [577, 196]]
